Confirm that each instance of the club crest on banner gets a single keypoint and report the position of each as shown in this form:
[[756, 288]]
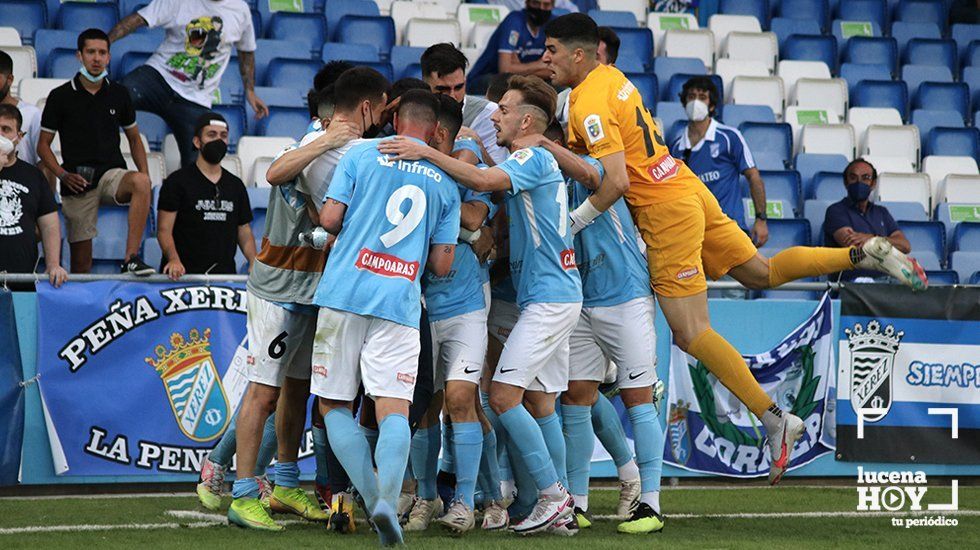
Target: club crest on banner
[[680, 436], [197, 396], [872, 360]]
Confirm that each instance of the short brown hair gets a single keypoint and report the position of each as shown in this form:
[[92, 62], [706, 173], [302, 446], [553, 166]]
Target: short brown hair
[[535, 92], [13, 113]]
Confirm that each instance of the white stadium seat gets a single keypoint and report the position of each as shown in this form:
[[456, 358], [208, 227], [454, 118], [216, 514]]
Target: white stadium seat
[[259, 168], [660, 23], [25, 60], [830, 139], [33, 90], [722, 25], [637, 7], [750, 90], [384, 6], [961, 189], [791, 71], [251, 148], [155, 164], [450, 6], [469, 15], [798, 117], [403, 10], [424, 32], [480, 34], [939, 167], [233, 164], [9, 36], [904, 187], [893, 141], [862, 117], [895, 165], [171, 155], [754, 46], [822, 93], [728, 69], [124, 143], [699, 44]]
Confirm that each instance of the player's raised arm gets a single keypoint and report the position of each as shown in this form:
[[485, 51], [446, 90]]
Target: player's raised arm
[[491, 179]]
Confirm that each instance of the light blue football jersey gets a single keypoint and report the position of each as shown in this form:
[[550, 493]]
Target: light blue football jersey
[[609, 260], [395, 211], [542, 255]]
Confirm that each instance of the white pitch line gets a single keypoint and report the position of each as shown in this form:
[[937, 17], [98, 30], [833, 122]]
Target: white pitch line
[[775, 515], [86, 527], [218, 518], [89, 496]]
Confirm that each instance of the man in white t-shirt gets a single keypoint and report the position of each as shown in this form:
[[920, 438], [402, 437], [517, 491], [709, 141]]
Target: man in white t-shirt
[[27, 147], [178, 82]]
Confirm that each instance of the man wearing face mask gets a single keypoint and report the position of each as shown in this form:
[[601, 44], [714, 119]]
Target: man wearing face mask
[[27, 148], [515, 47], [718, 154], [204, 212], [855, 219]]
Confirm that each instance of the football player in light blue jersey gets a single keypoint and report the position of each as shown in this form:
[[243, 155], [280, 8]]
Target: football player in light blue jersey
[[533, 367], [392, 218]]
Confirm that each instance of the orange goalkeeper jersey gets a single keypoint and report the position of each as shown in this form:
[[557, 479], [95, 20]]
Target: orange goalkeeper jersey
[[606, 116]]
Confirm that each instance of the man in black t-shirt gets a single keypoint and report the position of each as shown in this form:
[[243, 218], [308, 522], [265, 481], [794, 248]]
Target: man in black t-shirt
[[204, 210], [26, 203]]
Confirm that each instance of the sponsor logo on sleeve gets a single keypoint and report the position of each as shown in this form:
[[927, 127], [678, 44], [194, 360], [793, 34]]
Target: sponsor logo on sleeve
[[593, 128], [386, 265], [522, 156], [513, 38]]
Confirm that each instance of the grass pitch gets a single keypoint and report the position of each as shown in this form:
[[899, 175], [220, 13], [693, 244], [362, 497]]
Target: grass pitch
[[735, 517]]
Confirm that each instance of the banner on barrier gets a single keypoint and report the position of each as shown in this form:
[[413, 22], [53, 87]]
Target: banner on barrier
[[139, 378], [711, 431], [11, 393], [910, 369]]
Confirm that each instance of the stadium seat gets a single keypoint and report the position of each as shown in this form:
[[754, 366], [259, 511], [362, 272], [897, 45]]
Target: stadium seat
[[893, 141], [25, 63], [905, 188], [341, 8], [112, 226], [803, 47], [469, 15], [875, 11], [828, 186], [906, 211], [672, 91], [62, 63], [667, 67], [963, 34], [845, 30], [266, 50], [830, 139], [638, 43], [660, 23], [944, 95], [636, 7], [872, 51], [854, 73], [479, 36], [971, 76], [307, 28], [384, 68], [967, 237], [791, 71], [722, 25], [614, 18], [33, 90], [903, 31], [939, 167], [46, 40], [788, 232], [144, 40], [403, 11], [783, 185], [966, 263], [862, 117], [830, 94], [748, 90], [251, 148], [798, 117], [756, 8], [893, 164], [424, 32], [963, 142], [354, 53], [365, 29], [784, 27], [931, 51], [646, 84], [284, 121], [928, 119], [809, 10], [928, 259], [925, 11], [153, 127], [972, 56], [914, 75], [630, 64], [26, 16], [774, 138], [734, 115], [155, 165], [233, 164], [961, 189], [152, 254], [231, 89], [281, 97], [925, 236], [291, 73], [815, 211], [809, 164], [882, 93], [412, 70], [235, 116], [694, 43], [127, 7], [670, 112], [763, 47], [78, 16], [943, 277], [130, 61], [9, 36], [403, 56], [728, 69]]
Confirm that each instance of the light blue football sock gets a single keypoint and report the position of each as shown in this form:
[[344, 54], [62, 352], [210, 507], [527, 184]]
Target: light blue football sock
[[489, 467], [503, 460], [247, 487], [352, 450], [609, 429], [287, 474], [425, 460], [649, 437], [394, 441], [320, 454], [468, 443], [579, 442], [555, 441], [447, 462], [224, 451], [267, 448], [527, 439], [371, 435]]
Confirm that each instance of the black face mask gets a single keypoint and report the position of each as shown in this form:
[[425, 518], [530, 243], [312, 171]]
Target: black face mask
[[372, 131], [537, 16], [214, 151]]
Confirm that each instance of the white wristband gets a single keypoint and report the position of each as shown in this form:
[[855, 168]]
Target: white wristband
[[583, 216], [469, 236]]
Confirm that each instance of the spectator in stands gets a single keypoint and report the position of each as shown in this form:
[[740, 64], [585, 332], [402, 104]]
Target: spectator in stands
[[718, 154], [27, 147], [88, 112], [204, 212], [516, 46], [513, 5], [608, 50], [178, 82], [27, 207], [444, 70], [855, 218]]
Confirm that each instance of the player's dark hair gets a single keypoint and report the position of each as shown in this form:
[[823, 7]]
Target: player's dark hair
[[574, 30], [450, 114], [92, 34], [555, 132], [536, 92], [497, 87], [442, 59], [403, 85], [9, 111], [329, 73], [357, 85], [701, 83], [321, 102], [6, 63], [861, 160], [609, 37], [420, 106]]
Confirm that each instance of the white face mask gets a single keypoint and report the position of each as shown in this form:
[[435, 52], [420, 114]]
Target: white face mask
[[697, 110], [6, 146]]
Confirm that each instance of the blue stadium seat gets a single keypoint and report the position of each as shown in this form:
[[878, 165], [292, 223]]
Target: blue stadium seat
[[256, 21], [784, 27], [231, 89], [838, 26], [972, 56], [882, 93], [944, 95], [307, 28], [646, 84], [758, 8], [808, 164], [613, 18], [806, 47], [929, 51], [383, 68], [258, 197], [774, 138], [783, 185], [636, 43], [810, 10], [113, 226], [258, 224], [967, 265], [153, 254], [667, 67], [630, 65], [674, 130], [61, 63], [856, 72], [412, 70], [291, 73], [872, 51], [864, 10], [927, 119], [903, 31], [355, 53], [966, 237], [963, 34], [927, 236], [366, 29], [130, 61], [235, 115], [127, 7], [913, 75], [403, 56], [734, 115], [928, 11], [46, 40], [153, 127], [281, 97], [669, 112], [144, 40], [971, 75], [340, 8], [26, 16], [942, 277], [284, 121], [815, 211], [828, 186], [906, 211], [266, 50], [961, 142], [672, 92], [788, 232], [928, 259], [78, 16]]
